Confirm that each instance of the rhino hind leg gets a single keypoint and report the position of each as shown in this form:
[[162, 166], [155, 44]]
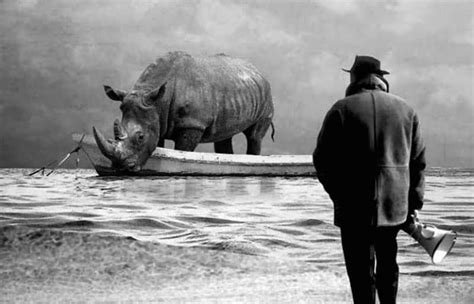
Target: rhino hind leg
[[255, 134], [224, 146], [187, 139], [254, 146]]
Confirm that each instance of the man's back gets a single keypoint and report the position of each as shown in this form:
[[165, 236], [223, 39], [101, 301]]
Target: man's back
[[378, 124], [369, 144]]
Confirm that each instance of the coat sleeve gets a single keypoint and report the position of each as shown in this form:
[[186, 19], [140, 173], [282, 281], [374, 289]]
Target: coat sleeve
[[417, 168], [328, 146]]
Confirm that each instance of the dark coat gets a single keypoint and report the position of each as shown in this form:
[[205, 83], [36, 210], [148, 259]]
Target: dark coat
[[370, 158]]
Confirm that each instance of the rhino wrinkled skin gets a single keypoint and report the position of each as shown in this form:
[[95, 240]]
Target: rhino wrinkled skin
[[189, 100]]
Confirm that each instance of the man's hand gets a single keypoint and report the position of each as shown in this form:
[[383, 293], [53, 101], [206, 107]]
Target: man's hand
[[412, 217]]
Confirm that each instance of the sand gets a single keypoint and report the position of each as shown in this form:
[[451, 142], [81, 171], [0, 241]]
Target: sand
[[52, 266]]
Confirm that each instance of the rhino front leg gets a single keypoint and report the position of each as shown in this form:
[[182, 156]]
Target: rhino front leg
[[187, 139], [161, 143], [224, 146], [255, 134]]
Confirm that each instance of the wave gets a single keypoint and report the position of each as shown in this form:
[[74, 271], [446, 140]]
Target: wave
[[124, 206], [71, 224], [21, 215], [288, 231], [308, 222], [212, 203], [242, 247], [464, 228], [139, 223], [270, 242], [118, 225], [439, 273], [208, 220], [457, 217]]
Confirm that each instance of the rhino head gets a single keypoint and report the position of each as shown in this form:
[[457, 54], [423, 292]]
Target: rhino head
[[137, 135]]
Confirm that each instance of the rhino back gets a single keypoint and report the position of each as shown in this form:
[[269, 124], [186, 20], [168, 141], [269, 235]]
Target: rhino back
[[218, 94]]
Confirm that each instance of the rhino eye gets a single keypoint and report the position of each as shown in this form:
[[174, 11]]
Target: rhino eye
[[140, 137]]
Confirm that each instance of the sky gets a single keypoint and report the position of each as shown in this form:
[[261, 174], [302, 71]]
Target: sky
[[55, 57]]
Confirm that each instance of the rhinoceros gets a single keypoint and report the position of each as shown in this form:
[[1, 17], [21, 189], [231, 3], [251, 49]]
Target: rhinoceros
[[190, 100]]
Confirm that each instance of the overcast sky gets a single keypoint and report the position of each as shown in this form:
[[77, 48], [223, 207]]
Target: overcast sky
[[56, 55]]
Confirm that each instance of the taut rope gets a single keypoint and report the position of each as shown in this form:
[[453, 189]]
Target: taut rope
[[59, 163]]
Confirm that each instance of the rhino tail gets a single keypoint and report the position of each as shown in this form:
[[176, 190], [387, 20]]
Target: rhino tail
[[273, 131]]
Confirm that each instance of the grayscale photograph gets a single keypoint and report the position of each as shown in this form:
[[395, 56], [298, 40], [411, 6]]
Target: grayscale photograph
[[237, 151]]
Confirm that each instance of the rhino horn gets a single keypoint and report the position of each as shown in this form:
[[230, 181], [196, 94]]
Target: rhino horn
[[118, 131], [106, 146]]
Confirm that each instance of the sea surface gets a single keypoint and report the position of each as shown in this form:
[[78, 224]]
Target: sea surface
[[287, 218]]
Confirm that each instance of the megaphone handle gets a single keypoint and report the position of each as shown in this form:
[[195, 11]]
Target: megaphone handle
[[415, 214]]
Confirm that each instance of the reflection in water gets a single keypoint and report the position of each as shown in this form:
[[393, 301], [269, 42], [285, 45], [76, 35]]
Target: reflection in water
[[234, 186], [291, 218], [267, 185], [192, 187]]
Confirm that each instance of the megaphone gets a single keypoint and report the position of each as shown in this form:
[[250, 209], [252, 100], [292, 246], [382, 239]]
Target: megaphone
[[437, 242]]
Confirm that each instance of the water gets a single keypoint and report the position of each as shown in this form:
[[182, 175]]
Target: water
[[290, 218]]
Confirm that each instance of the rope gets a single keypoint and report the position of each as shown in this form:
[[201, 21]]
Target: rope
[[42, 168], [88, 157], [75, 150]]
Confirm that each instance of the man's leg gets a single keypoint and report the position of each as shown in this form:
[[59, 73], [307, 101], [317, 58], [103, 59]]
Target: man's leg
[[372, 265], [387, 267], [357, 250]]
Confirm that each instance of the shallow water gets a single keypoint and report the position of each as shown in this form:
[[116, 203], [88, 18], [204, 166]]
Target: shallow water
[[290, 218]]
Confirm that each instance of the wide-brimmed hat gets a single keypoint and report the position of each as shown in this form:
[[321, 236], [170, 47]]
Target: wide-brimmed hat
[[364, 65]]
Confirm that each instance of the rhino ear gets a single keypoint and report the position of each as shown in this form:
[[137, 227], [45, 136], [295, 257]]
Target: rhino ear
[[114, 94], [156, 95]]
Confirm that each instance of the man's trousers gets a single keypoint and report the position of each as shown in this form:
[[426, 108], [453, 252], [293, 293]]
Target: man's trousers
[[371, 262]]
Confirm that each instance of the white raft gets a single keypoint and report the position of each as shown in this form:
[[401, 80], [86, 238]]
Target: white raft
[[173, 162]]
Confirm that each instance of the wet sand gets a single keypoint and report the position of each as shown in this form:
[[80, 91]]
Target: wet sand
[[52, 266]]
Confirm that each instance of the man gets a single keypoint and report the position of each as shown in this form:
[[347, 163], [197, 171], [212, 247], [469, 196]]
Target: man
[[370, 158]]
